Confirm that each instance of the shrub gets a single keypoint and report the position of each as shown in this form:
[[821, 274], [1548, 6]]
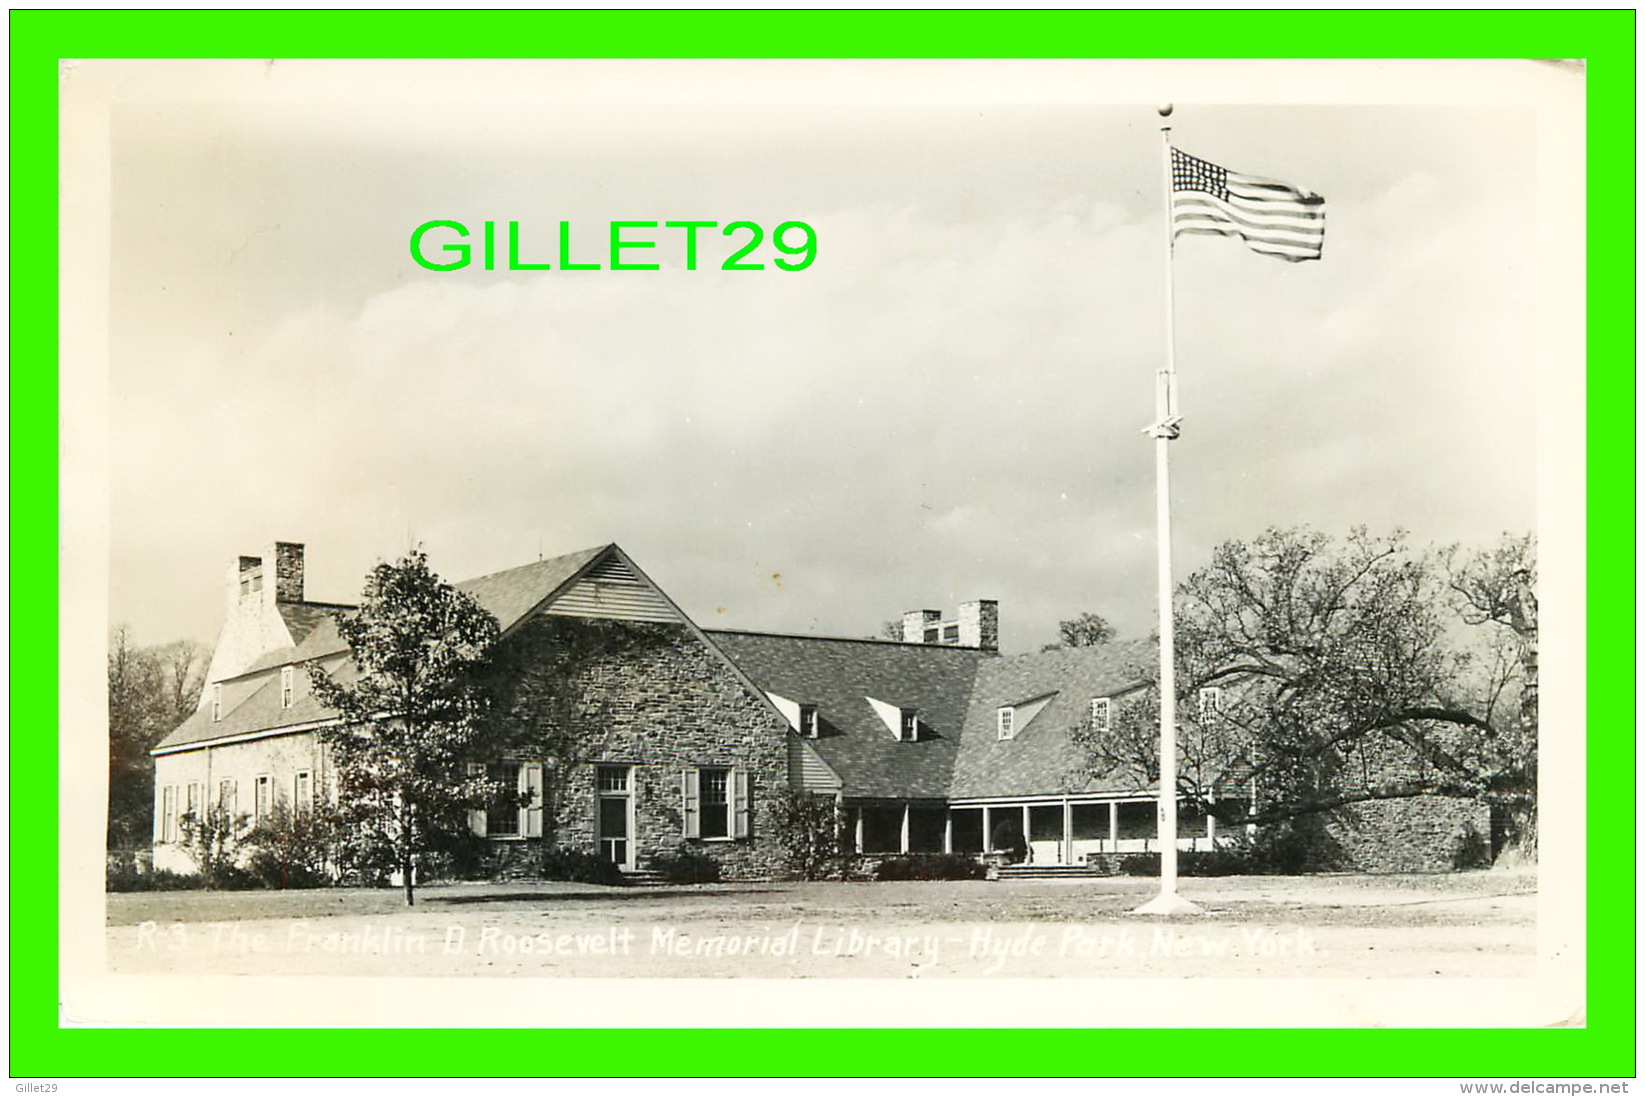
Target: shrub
[[1220, 862], [931, 866], [1470, 849], [811, 833], [686, 865], [125, 877], [579, 867], [293, 848]]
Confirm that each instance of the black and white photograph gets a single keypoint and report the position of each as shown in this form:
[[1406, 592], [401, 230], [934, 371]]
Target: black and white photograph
[[599, 538]]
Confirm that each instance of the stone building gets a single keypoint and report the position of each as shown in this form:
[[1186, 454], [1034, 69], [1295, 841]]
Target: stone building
[[657, 735]]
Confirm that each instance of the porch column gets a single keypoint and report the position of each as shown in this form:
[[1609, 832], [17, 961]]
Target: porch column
[[905, 812], [948, 830], [859, 831], [1113, 826], [1067, 832], [987, 829], [1211, 829], [1027, 831]]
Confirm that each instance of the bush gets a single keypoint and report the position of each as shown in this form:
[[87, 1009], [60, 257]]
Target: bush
[[931, 866], [686, 865], [1220, 862], [579, 867], [292, 848], [810, 830], [125, 877]]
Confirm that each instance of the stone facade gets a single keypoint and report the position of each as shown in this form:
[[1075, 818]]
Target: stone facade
[[1420, 834], [655, 699]]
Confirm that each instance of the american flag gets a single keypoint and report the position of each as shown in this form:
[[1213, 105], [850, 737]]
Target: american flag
[[1271, 217]]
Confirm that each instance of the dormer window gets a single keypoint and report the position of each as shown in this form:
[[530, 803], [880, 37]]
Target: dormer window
[[216, 703], [287, 686], [809, 724], [1102, 713], [1210, 703], [1007, 717], [910, 726]]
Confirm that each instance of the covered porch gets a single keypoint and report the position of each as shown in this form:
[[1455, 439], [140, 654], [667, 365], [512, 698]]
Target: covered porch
[[1047, 830]]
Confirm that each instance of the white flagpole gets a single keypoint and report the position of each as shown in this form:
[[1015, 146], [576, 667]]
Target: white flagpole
[[1166, 427]]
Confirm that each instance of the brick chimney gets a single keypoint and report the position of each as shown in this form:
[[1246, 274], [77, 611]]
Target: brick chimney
[[922, 626], [980, 625]]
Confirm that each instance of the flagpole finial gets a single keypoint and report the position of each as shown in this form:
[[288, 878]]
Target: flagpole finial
[[1165, 110]]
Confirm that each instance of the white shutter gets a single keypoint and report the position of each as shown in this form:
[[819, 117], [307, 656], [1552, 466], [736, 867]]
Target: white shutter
[[739, 803], [690, 801], [531, 813], [476, 817]]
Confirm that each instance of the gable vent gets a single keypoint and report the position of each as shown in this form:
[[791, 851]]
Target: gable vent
[[611, 590]]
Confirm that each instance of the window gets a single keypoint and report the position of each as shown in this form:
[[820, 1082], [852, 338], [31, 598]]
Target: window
[[1210, 703], [228, 797], [216, 703], [910, 726], [809, 724], [1102, 714], [192, 801], [263, 802], [1007, 721], [286, 686], [516, 811], [716, 793], [716, 802], [168, 814], [614, 778], [302, 790]]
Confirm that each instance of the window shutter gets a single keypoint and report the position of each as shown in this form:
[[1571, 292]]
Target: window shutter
[[690, 804], [739, 803], [476, 817], [531, 815]]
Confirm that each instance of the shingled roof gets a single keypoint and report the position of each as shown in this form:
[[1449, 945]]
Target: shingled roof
[[507, 595], [958, 693], [838, 676], [1040, 758]]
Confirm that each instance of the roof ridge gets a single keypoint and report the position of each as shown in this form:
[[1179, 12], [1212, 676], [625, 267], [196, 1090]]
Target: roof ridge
[[846, 640], [588, 552]]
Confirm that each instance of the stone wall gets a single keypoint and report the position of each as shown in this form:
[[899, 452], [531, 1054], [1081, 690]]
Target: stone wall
[[657, 699], [1422, 834]]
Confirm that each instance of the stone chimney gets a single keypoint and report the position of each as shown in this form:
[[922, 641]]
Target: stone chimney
[[980, 625], [288, 571], [922, 626]]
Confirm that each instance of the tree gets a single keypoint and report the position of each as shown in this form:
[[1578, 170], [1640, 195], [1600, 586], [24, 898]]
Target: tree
[[1495, 591], [411, 718], [1088, 630], [1344, 676], [151, 691]]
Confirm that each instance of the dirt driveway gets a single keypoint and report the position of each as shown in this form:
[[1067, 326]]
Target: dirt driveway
[[1473, 924]]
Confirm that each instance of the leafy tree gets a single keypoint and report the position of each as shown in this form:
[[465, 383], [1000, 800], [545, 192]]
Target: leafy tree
[[151, 691], [412, 716], [1344, 675], [1495, 592], [1085, 631]]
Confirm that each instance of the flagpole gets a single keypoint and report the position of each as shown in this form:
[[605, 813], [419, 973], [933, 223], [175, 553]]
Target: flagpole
[[1166, 427]]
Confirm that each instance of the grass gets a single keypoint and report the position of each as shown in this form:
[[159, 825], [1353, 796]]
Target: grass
[[1450, 899]]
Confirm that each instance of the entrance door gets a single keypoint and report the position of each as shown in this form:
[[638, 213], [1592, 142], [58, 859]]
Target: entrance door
[[614, 815]]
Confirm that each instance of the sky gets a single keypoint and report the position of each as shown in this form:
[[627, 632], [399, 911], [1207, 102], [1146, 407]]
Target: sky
[[946, 405]]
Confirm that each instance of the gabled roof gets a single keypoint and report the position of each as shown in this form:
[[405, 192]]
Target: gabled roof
[[508, 596], [258, 711], [1040, 758], [838, 676]]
